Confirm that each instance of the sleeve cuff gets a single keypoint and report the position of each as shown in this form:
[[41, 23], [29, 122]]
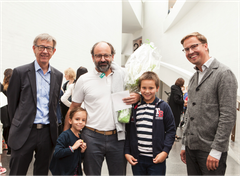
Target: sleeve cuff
[[183, 147], [215, 154]]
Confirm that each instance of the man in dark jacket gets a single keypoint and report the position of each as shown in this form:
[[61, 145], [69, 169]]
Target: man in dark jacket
[[33, 95]]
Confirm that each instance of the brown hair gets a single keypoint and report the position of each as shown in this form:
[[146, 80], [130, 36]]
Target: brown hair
[[80, 71], [199, 36], [7, 76], [111, 47], [75, 110], [149, 75], [179, 82]]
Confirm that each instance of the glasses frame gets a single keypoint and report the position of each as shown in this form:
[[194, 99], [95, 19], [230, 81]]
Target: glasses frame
[[191, 47], [45, 47], [103, 55]]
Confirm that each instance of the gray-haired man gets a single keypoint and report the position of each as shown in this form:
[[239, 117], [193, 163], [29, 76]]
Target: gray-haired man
[[33, 95]]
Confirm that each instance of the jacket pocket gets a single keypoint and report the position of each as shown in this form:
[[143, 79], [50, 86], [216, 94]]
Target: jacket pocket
[[15, 122]]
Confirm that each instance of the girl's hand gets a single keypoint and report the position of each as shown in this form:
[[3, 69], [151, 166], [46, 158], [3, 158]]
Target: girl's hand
[[77, 144], [160, 157], [83, 147], [131, 159]]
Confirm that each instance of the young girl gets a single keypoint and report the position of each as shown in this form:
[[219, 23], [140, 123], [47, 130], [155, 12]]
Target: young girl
[[67, 155]]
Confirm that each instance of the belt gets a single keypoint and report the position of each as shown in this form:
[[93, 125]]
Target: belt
[[102, 132], [40, 126]]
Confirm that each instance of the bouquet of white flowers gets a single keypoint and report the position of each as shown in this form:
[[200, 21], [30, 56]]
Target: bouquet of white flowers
[[145, 58]]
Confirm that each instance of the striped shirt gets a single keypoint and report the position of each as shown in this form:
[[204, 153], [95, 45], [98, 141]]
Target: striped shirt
[[144, 124]]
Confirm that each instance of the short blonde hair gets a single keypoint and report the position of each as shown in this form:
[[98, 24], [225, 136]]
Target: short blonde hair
[[71, 73], [199, 36]]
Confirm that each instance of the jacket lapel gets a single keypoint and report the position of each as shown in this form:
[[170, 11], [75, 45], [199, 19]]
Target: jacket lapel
[[210, 70], [52, 84], [32, 80]]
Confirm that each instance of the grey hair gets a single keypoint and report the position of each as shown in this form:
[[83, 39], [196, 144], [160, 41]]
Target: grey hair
[[47, 37]]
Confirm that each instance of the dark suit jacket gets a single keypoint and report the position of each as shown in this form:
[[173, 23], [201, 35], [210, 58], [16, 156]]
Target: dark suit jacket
[[22, 103], [176, 101]]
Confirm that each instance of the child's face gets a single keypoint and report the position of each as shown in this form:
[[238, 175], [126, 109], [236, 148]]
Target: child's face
[[148, 90], [78, 121]]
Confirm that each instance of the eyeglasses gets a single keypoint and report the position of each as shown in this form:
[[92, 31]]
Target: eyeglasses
[[192, 47], [99, 56], [42, 48]]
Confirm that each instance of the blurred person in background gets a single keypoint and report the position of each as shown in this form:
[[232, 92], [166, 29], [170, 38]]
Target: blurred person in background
[[176, 102], [4, 110], [70, 76], [69, 92], [5, 121]]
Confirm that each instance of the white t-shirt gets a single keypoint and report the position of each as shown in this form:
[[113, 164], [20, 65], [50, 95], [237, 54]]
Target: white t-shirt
[[67, 94], [95, 92]]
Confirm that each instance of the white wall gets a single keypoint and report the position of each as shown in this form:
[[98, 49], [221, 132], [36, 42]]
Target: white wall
[[218, 21], [75, 25]]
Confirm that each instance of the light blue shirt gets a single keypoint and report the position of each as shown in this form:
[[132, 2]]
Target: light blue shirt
[[43, 89]]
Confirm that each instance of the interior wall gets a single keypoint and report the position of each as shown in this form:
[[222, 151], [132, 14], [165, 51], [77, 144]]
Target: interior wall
[[77, 26], [217, 20], [218, 23]]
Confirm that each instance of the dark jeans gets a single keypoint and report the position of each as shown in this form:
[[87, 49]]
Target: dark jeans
[[100, 146], [196, 163], [145, 166]]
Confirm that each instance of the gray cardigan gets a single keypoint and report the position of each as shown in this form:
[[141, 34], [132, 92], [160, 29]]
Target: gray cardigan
[[211, 112]]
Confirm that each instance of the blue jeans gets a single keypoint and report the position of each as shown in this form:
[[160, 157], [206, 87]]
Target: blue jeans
[[145, 166]]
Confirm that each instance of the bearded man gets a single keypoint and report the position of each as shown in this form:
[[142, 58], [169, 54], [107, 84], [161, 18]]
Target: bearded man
[[104, 135]]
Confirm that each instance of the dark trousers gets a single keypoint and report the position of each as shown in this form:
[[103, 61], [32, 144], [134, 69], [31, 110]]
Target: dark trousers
[[145, 166], [196, 163], [39, 141], [177, 120], [5, 135], [100, 146]]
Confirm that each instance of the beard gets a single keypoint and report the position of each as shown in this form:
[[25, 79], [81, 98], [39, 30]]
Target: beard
[[103, 68]]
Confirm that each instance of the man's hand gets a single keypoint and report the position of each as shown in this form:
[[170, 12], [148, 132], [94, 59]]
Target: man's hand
[[131, 159], [160, 157], [183, 156], [212, 163], [134, 98]]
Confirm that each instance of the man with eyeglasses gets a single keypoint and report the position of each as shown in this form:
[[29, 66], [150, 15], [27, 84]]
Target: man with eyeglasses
[[103, 134], [211, 112], [33, 95]]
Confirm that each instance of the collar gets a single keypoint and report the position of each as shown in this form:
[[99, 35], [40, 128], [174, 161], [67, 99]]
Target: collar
[[37, 67], [155, 101], [206, 64], [99, 73]]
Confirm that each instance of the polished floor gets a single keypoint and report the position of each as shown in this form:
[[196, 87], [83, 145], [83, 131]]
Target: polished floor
[[174, 163]]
